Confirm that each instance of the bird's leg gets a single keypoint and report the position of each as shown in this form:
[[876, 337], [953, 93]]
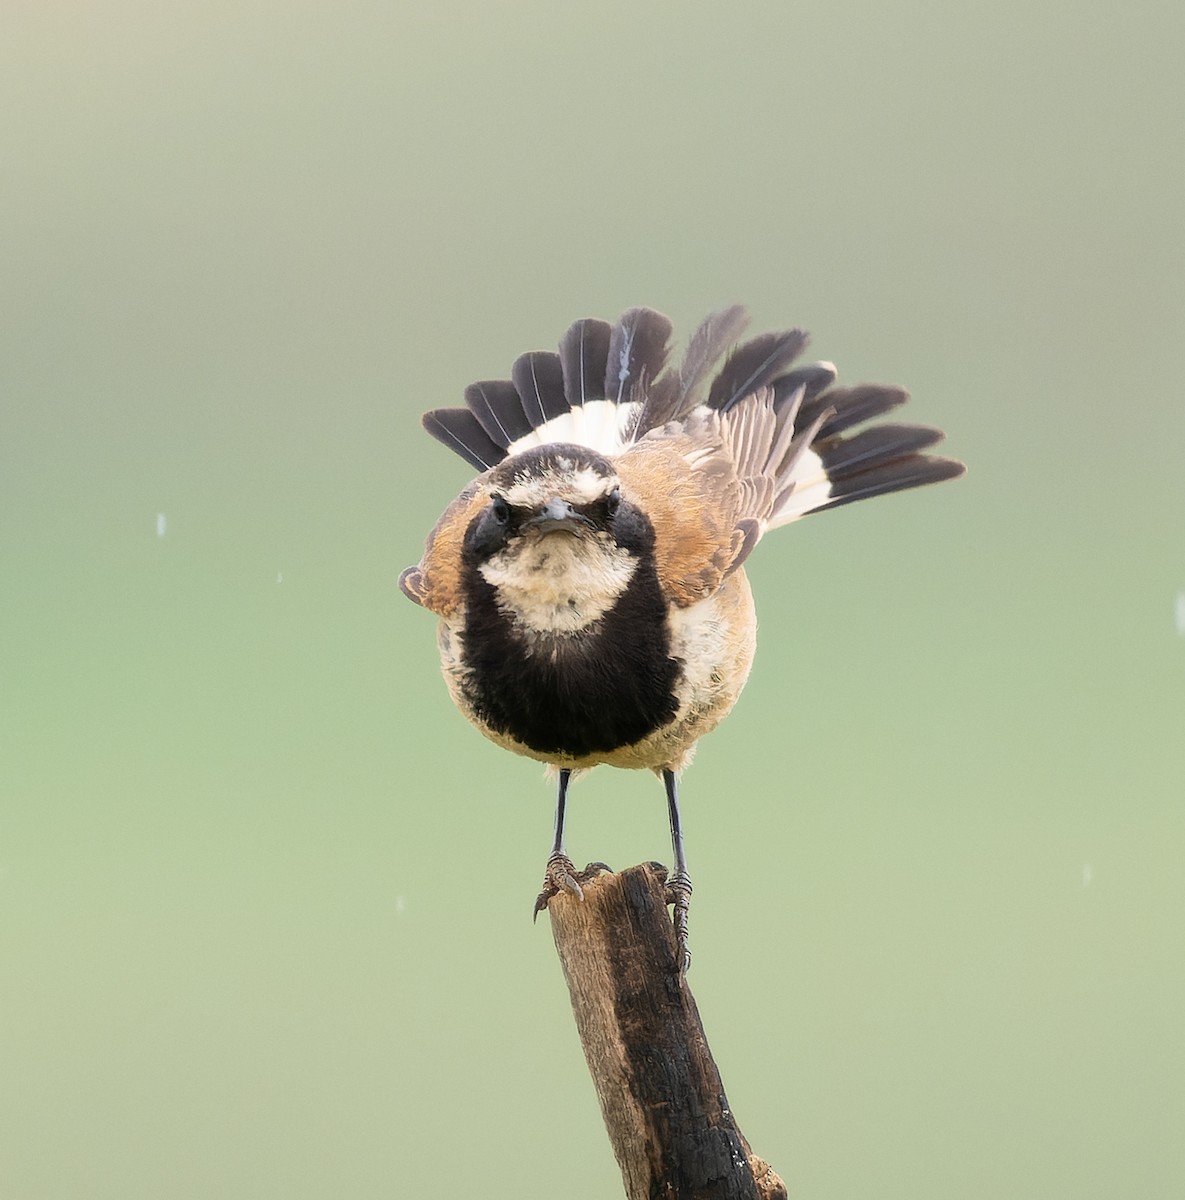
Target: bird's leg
[[561, 875], [679, 884]]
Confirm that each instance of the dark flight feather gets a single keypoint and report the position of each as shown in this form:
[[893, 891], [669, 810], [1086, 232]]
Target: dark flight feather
[[717, 332], [853, 405], [539, 379], [584, 359], [460, 431], [638, 349], [914, 470], [813, 378], [660, 405], [499, 410], [882, 443], [753, 365]]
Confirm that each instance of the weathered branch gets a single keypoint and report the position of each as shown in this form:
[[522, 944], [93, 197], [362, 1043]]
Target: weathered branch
[[661, 1096]]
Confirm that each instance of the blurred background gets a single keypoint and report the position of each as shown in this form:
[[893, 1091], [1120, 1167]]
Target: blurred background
[[265, 898]]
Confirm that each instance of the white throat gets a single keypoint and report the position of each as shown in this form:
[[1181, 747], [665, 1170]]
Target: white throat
[[559, 582]]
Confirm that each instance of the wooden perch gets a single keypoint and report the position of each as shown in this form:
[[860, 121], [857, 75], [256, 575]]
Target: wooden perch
[[661, 1096]]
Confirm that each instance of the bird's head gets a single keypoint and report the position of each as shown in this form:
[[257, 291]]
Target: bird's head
[[556, 539]]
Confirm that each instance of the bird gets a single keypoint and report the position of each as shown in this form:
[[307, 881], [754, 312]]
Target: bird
[[589, 582]]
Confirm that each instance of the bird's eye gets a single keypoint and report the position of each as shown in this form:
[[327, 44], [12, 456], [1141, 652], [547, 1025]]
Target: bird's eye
[[500, 509], [613, 501]]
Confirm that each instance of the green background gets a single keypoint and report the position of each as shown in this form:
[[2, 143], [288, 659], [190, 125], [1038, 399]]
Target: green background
[[264, 897]]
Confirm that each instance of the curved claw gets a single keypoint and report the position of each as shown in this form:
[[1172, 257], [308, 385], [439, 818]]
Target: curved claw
[[679, 895], [562, 876]]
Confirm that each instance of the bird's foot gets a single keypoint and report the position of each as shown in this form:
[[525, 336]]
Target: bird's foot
[[679, 894], [562, 876]]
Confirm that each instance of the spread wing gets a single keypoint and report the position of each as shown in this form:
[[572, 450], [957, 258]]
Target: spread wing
[[718, 458], [715, 482]]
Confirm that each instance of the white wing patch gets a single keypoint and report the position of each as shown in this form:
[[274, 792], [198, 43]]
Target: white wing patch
[[601, 425], [812, 489]]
